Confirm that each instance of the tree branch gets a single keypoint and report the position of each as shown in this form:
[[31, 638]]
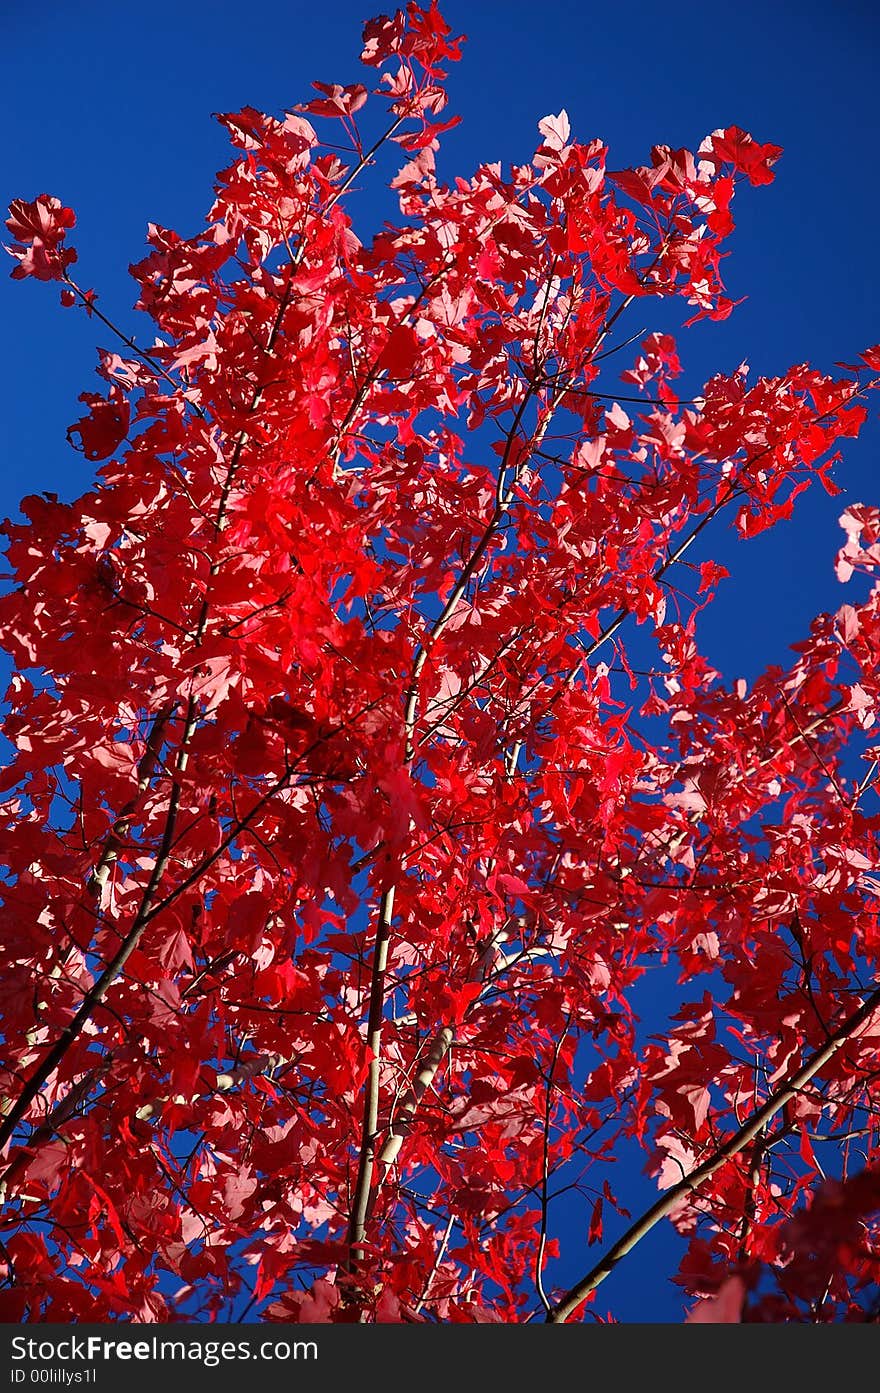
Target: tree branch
[[752, 1128], [369, 1127]]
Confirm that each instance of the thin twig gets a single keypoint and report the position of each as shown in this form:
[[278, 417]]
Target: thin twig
[[441, 1253], [545, 1176]]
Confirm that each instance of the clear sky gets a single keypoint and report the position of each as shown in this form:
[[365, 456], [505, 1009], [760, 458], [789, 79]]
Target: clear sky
[[109, 105]]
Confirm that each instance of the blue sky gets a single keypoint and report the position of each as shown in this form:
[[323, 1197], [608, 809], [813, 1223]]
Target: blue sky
[[109, 107]]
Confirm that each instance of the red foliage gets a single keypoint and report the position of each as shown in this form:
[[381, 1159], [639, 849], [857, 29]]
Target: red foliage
[[39, 229], [334, 844]]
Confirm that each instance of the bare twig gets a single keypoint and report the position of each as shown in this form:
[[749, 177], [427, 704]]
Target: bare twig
[[435, 1267], [369, 1126], [545, 1176]]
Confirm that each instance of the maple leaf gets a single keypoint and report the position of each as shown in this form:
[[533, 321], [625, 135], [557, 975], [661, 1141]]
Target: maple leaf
[[40, 228], [105, 427], [382, 37], [737, 147], [337, 101], [555, 130], [725, 1308]]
